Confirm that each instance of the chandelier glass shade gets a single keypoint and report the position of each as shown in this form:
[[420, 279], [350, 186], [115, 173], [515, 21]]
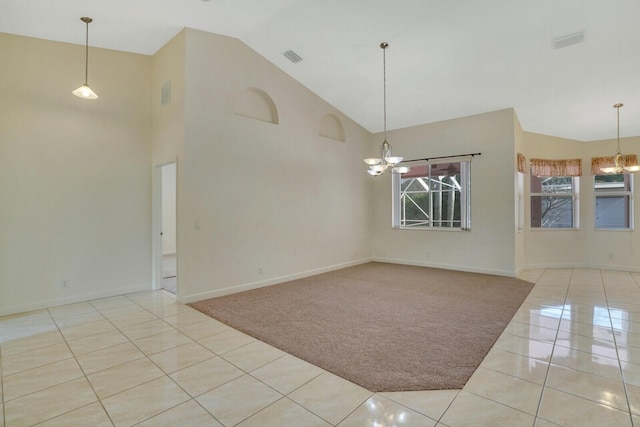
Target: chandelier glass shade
[[85, 91], [378, 166], [620, 160]]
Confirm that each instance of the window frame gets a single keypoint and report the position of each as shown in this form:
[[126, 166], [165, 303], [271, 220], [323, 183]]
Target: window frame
[[573, 195], [465, 198], [615, 193], [521, 213]]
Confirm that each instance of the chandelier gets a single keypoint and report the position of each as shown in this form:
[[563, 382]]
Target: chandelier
[[620, 159], [378, 166]]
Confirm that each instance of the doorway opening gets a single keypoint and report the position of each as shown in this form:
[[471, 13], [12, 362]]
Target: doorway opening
[[168, 232]]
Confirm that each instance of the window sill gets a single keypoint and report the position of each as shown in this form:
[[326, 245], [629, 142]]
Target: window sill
[[431, 229], [552, 229], [614, 229]]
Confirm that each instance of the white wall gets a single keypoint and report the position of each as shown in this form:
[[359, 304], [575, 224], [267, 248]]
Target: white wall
[[585, 246], [169, 209], [74, 181], [168, 66], [260, 202], [489, 246]]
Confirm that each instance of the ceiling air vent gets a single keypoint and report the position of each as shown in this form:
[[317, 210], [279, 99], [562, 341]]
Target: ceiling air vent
[[292, 56], [568, 40]]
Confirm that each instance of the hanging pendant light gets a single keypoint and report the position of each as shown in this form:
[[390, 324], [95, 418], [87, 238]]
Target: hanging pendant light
[[620, 159], [85, 91], [378, 166]]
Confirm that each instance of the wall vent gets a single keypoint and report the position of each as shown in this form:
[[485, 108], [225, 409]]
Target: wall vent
[[166, 93], [568, 40], [292, 56]]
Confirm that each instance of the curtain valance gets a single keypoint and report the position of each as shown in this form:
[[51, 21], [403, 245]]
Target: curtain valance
[[545, 167], [522, 163]]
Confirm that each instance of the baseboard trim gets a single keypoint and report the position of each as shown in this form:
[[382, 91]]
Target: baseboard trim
[[580, 265], [456, 267], [186, 299], [71, 299]]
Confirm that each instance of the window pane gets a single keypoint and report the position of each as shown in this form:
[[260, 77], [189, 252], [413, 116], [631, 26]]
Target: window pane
[[612, 211], [556, 184], [445, 199], [552, 211], [414, 208], [552, 202], [431, 197], [609, 183], [414, 185]]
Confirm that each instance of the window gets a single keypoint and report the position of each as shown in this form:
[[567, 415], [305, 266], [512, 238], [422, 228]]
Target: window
[[614, 201], [435, 195], [553, 202]]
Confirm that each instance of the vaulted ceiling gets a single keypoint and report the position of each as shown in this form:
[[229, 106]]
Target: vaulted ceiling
[[446, 59]]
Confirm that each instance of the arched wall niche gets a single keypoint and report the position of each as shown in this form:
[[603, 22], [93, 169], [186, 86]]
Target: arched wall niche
[[331, 127], [256, 104]]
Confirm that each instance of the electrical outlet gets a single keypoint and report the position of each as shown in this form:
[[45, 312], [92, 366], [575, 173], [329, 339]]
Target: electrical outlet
[[260, 271], [427, 255], [65, 284]]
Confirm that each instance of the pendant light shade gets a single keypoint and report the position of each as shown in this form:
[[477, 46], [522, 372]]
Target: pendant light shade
[[620, 160], [85, 91], [378, 166]]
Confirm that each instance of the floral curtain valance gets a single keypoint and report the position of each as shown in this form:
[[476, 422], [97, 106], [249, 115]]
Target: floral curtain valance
[[606, 162], [545, 167], [522, 163]]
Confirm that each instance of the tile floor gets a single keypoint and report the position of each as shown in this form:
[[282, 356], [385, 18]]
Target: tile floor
[[570, 356]]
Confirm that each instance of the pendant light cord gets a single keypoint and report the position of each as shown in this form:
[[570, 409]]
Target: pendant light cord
[[86, 55], [384, 46], [618, 113], [87, 21]]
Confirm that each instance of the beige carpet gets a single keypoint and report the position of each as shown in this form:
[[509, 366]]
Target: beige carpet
[[385, 327]]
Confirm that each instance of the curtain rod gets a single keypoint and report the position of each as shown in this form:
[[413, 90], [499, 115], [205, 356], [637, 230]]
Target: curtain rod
[[441, 157]]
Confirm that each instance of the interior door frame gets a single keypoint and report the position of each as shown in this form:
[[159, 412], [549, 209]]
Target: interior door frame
[[156, 225]]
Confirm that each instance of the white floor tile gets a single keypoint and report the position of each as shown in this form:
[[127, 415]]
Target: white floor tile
[[378, 410], [330, 397], [238, 400], [157, 362]]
